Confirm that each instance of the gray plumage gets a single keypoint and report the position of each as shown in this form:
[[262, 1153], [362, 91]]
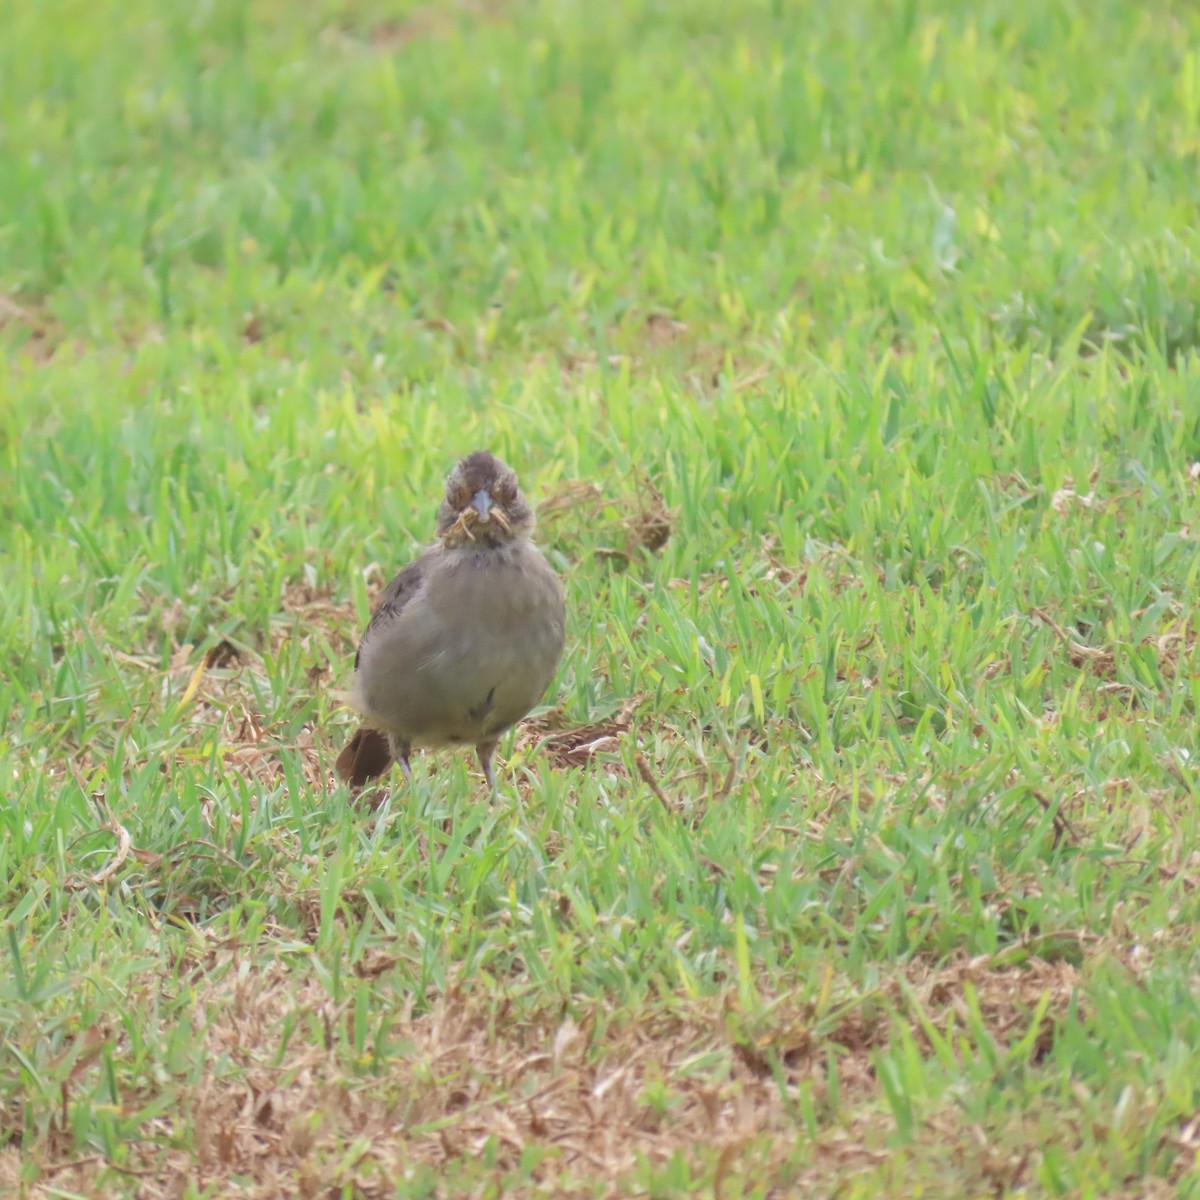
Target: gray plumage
[[465, 640]]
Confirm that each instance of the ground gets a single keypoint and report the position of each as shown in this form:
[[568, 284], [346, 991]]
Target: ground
[[850, 354]]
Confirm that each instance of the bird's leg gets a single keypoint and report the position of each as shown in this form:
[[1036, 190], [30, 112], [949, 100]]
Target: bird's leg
[[400, 752], [485, 750]]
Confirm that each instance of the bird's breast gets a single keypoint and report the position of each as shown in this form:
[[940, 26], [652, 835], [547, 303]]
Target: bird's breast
[[477, 651]]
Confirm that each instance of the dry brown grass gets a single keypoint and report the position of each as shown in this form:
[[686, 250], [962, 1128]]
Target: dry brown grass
[[425, 22], [594, 1093], [32, 326], [631, 523]]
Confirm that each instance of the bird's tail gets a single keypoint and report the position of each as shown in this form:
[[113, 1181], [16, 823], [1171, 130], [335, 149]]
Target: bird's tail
[[366, 756]]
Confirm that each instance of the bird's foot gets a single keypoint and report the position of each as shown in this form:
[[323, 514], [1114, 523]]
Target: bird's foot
[[485, 750]]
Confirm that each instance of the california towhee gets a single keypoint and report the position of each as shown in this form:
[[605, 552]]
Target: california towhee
[[465, 639]]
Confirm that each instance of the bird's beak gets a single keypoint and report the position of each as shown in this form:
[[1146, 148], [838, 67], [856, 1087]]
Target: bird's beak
[[481, 502]]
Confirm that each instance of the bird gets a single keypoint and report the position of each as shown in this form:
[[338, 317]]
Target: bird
[[465, 639]]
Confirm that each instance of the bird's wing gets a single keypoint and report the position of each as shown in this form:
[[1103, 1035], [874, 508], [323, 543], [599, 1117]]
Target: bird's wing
[[406, 584]]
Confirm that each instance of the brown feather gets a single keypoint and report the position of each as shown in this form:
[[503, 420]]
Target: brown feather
[[364, 757]]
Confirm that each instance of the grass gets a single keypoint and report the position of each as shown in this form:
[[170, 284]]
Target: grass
[[854, 853]]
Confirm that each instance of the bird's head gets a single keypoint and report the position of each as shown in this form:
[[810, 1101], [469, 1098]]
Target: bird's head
[[483, 505]]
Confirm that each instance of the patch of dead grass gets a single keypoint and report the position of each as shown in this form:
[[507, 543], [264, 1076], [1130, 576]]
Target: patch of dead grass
[[1175, 643], [632, 523], [576, 746], [32, 325], [594, 1093], [428, 21]]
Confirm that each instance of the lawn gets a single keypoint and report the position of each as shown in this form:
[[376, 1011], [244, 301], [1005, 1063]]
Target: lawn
[[851, 354]]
